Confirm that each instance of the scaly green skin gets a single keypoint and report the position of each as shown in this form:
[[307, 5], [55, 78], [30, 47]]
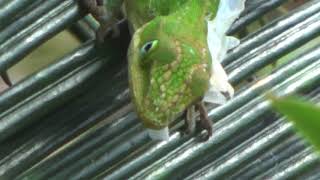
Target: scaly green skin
[[174, 74], [169, 61]]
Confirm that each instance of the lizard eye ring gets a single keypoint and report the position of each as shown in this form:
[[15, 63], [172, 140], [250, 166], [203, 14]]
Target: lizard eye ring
[[149, 47]]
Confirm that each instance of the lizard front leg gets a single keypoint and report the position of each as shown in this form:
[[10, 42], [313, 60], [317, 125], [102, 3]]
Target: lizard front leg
[[106, 19], [204, 120], [190, 121]]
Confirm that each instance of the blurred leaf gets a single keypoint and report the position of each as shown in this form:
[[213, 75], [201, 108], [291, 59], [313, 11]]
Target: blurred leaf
[[304, 115]]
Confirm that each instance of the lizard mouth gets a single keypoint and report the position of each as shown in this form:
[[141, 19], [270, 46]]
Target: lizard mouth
[[136, 82]]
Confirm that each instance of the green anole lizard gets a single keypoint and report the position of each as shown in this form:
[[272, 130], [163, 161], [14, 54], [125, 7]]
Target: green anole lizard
[[170, 65]]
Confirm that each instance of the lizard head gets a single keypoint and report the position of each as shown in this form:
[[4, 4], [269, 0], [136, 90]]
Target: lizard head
[[168, 72]]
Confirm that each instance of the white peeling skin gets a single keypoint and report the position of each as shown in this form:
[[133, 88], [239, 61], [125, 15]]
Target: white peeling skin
[[159, 134], [219, 43]]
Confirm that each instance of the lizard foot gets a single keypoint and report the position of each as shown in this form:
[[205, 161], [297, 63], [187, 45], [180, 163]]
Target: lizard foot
[[204, 123], [5, 77], [204, 120], [95, 8], [107, 20], [104, 30]]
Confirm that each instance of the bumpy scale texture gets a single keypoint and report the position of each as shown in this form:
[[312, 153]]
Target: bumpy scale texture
[[176, 73]]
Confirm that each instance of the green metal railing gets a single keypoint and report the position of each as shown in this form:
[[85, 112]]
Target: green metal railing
[[74, 120]]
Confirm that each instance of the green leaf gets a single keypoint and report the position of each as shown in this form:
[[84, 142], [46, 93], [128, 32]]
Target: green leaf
[[304, 115]]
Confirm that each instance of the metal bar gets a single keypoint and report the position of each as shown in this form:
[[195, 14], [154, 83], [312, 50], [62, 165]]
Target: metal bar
[[293, 166], [283, 72], [107, 130], [283, 150], [37, 148], [118, 146], [43, 78], [248, 149], [254, 14], [53, 72], [270, 51], [55, 131], [27, 19], [52, 97], [273, 29], [22, 43], [239, 156], [10, 10]]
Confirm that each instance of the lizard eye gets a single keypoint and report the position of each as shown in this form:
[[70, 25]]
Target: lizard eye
[[149, 47]]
